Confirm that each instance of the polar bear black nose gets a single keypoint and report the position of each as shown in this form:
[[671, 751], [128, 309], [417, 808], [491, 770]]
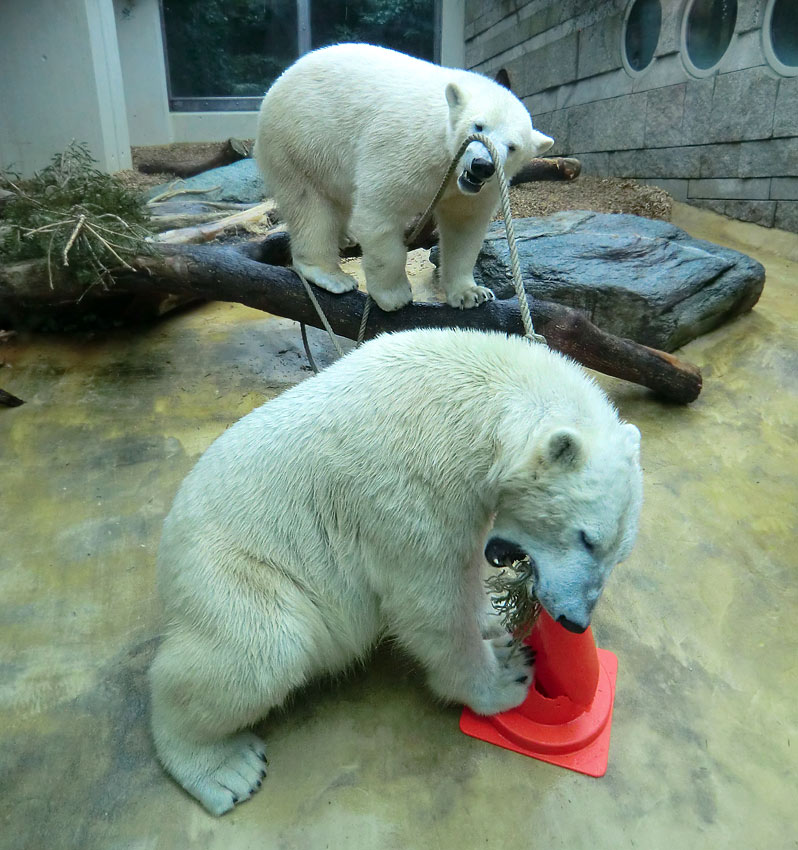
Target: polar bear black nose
[[482, 168], [571, 625]]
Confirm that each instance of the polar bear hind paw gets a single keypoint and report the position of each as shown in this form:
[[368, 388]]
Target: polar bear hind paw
[[471, 296], [236, 772], [392, 299]]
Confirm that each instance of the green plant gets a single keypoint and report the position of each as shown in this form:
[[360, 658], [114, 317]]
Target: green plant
[[75, 216]]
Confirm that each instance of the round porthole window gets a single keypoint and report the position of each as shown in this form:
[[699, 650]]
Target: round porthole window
[[707, 30], [780, 36], [641, 30]]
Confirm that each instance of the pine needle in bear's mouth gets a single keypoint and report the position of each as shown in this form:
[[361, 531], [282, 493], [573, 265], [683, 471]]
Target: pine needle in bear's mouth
[[513, 599]]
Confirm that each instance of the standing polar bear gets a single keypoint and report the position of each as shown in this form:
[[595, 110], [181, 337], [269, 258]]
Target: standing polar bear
[[354, 140], [363, 502]]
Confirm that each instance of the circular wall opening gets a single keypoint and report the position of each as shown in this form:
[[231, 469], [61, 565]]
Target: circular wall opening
[[641, 29], [780, 36], [707, 30]]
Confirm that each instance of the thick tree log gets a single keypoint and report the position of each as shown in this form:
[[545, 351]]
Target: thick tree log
[[548, 168], [253, 273], [158, 162], [239, 274]]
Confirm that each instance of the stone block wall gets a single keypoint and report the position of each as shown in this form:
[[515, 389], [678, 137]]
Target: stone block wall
[[728, 141]]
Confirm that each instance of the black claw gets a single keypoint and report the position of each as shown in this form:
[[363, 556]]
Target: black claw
[[235, 799], [262, 757], [530, 654], [522, 679], [258, 783], [262, 775]]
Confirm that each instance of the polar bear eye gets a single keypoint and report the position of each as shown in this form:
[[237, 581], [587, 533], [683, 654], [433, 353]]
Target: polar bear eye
[[587, 542], [479, 127], [511, 148]]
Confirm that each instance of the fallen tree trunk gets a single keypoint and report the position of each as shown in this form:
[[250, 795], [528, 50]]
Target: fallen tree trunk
[[240, 274], [254, 273], [158, 162], [548, 168], [211, 229]]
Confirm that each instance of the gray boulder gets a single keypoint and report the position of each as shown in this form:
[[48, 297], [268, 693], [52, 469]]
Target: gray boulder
[[637, 278], [240, 182]]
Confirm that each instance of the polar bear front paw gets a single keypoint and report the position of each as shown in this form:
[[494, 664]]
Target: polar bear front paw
[[510, 677], [470, 296], [336, 282], [490, 624], [223, 774]]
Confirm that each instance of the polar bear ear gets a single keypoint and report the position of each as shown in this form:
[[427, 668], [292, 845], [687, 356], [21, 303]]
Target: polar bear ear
[[455, 97], [563, 448], [632, 436]]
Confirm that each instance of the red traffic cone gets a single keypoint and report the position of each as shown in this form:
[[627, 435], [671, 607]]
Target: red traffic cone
[[566, 717]]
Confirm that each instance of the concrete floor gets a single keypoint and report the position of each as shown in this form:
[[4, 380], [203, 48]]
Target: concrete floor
[[703, 616]]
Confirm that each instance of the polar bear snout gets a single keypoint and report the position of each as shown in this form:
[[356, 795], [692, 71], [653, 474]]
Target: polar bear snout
[[571, 626], [482, 169], [477, 168]]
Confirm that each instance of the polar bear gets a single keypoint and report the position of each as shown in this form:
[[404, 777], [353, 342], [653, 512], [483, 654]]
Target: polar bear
[[366, 501], [353, 141]]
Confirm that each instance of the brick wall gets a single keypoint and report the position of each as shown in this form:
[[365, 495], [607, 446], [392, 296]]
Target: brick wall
[[728, 141]]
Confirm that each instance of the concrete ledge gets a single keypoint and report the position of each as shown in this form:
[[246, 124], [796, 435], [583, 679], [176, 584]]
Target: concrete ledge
[[731, 188]]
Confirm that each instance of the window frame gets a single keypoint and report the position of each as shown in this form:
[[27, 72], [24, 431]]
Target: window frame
[[634, 72], [692, 69], [767, 45]]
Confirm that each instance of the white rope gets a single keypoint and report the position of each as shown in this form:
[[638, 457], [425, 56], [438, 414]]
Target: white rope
[[322, 317], [504, 193]]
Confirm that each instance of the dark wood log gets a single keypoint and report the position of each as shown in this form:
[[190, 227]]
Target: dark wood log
[[239, 274], [253, 273], [159, 162], [548, 168], [275, 249]]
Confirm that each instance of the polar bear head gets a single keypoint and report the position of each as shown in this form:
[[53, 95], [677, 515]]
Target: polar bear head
[[482, 106], [570, 501]]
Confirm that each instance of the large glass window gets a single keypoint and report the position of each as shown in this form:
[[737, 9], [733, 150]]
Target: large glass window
[[406, 25], [707, 31], [227, 48], [224, 54]]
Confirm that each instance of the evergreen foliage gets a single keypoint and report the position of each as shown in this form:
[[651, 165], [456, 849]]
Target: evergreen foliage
[[73, 215]]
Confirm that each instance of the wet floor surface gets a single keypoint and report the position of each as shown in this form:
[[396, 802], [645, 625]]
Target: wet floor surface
[[702, 617]]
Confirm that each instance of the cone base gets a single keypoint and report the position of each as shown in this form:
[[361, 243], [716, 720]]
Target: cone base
[[534, 740]]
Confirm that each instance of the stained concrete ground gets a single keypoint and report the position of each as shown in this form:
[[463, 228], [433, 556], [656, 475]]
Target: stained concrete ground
[[703, 615]]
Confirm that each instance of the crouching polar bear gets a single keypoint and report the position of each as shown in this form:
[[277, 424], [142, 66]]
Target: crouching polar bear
[[353, 142], [361, 503]]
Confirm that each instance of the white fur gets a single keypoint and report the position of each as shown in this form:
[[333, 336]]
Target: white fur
[[358, 504], [355, 140]]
